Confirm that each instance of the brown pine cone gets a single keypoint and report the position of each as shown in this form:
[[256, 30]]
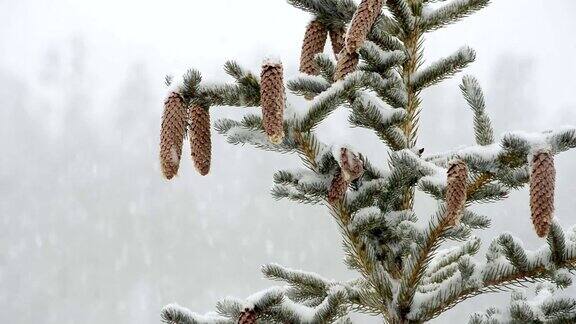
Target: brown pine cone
[[337, 40], [314, 42], [172, 132], [272, 98], [542, 181], [352, 167], [338, 188], [362, 21], [200, 141], [248, 316], [456, 192], [347, 63]]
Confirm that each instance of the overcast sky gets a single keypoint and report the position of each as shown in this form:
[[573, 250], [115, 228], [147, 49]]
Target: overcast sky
[[91, 234]]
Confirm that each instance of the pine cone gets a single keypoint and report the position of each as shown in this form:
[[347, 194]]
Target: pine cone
[[338, 188], [273, 100], [172, 132], [337, 40], [456, 192], [248, 316], [314, 42], [362, 21], [352, 166], [542, 181], [200, 141], [347, 63]]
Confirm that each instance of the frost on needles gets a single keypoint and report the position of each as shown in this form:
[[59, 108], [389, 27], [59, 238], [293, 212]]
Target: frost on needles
[[408, 271]]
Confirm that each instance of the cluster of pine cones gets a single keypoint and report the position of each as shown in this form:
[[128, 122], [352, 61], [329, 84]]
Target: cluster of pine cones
[[345, 45], [180, 118], [542, 183], [345, 48]]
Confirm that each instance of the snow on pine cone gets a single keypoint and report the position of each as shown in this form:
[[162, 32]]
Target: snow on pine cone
[[172, 132], [542, 181], [314, 42], [352, 167], [337, 40], [337, 188], [362, 21], [248, 316], [272, 99], [346, 64], [200, 141], [456, 192]]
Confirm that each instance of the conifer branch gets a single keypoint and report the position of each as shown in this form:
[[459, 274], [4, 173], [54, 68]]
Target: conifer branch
[[384, 34], [402, 13], [475, 98], [326, 66], [379, 61], [546, 306], [450, 13], [418, 266], [364, 263], [498, 276], [308, 85], [331, 99], [333, 13], [443, 68], [480, 181], [175, 314], [370, 114]]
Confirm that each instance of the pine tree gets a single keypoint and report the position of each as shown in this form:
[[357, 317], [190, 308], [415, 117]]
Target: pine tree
[[409, 271]]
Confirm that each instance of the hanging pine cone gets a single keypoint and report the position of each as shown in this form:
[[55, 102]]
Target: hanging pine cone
[[542, 180], [272, 98], [352, 167], [456, 192], [362, 21], [172, 132], [248, 316], [346, 64], [314, 42], [200, 141], [337, 40], [338, 188]]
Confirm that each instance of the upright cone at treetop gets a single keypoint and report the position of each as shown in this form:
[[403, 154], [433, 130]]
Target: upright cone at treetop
[[172, 133], [542, 182], [272, 100]]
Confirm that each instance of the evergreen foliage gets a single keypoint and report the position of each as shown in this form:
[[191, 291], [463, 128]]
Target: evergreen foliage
[[409, 271]]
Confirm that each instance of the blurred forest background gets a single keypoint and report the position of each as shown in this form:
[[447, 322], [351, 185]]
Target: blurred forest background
[[91, 233]]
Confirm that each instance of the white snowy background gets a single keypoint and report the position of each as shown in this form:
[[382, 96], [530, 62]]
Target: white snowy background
[[89, 231]]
